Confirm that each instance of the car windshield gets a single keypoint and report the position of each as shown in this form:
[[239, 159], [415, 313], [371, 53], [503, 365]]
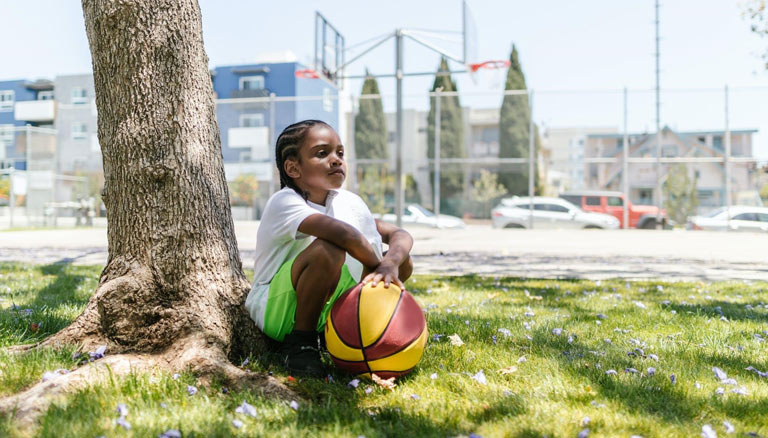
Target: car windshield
[[423, 210], [715, 212]]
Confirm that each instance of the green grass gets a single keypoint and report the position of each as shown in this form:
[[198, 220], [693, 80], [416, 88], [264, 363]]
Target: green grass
[[562, 381]]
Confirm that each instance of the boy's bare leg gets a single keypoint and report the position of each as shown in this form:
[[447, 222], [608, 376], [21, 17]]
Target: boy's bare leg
[[315, 274]]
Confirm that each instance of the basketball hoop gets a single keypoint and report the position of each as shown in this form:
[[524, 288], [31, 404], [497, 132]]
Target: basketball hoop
[[494, 75], [494, 64], [307, 73]]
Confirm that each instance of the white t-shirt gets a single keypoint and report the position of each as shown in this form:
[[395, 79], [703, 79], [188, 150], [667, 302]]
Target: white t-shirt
[[279, 239]]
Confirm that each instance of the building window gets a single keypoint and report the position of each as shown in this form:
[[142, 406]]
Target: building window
[[45, 95], [717, 142], [251, 120], [252, 83], [327, 100], [79, 96], [79, 131], [6, 100], [6, 136]]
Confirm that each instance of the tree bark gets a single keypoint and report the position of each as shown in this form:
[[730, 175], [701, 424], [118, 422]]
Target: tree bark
[[173, 277]]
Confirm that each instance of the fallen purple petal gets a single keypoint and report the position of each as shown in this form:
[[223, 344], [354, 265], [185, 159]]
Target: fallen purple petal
[[124, 423], [353, 383], [191, 390], [99, 353], [246, 409], [611, 373], [237, 423], [294, 405], [708, 432], [583, 433], [170, 433], [672, 379], [122, 410], [557, 331], [651, 371], [728, 427], [415, 397], [480, 377], [433, 376]]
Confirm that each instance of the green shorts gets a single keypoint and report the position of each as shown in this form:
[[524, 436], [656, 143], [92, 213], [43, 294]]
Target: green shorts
[[280, 311]]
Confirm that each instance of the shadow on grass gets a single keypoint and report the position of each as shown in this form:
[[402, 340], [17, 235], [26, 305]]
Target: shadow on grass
[[732, 311]]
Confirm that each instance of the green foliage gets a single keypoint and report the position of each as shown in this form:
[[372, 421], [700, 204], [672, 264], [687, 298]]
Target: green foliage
[[377, 188], [764, 193], [243, 190], [370, 124], [514, 127], [5, 190], [680, 194], [756, 12], [690, 327], [451, 134]]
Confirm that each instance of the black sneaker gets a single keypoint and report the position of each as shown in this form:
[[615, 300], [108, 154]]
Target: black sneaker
[[301, 355]]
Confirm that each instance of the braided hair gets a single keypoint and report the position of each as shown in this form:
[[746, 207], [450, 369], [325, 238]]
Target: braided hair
[[287, 146]]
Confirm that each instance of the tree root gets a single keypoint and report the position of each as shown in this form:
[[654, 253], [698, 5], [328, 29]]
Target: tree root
[[207, 362]]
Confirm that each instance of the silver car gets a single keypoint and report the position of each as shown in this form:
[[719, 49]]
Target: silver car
[[415, 214], [742, 218], [547, 213]]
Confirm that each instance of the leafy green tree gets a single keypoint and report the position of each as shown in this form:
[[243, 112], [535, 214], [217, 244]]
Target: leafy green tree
[[451, 134], [680, 194], [514, 127], [370, 123], [485, 189], [243, 190], [764, 193]]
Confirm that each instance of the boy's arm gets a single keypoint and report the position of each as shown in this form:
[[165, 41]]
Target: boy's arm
[[342, 235], [400, 243]]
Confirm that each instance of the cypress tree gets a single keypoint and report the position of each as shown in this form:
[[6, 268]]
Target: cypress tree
[[514, 126], [371, 142], [370, 123], [451, 138]]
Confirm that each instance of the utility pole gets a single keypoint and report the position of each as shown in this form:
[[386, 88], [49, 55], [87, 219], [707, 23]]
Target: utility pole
[[399, 130], [625, 166], [659, 202], [436, 182]]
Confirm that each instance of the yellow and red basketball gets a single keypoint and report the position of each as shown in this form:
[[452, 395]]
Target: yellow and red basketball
[[376, 330]]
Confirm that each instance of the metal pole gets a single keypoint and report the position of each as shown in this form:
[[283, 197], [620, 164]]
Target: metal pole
[[531, 159], [28, 154], [658, 127], [272, 139], [399, 128], [352, 151], [625, 167], [727, 162], [12, 196], [436, 182]]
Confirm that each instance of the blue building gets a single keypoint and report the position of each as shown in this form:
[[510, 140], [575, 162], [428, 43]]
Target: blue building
[[22, 102], [245, 110]]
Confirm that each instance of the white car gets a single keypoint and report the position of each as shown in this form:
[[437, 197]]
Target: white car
[[742, 218], [415, 214], [547, 213]]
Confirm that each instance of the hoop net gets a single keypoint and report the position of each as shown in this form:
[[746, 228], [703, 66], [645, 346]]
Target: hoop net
[[307, 73], [493, 64], [489, 71]]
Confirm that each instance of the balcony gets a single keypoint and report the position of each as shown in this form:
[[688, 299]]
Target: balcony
[[35, 110], [258, 92]]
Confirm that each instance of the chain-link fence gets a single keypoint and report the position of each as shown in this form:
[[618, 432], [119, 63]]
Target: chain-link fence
[[465, 158]]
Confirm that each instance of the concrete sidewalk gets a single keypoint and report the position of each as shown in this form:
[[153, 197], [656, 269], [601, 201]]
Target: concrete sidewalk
[[480, 249]]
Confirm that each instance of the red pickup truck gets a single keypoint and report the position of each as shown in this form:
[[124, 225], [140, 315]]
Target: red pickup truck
[[640, 216]]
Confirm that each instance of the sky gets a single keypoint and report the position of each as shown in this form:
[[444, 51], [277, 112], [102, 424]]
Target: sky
[[576, 56]]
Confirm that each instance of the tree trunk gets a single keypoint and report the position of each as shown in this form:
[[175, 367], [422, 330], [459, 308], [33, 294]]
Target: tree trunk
[[173, 276], [172, 293]]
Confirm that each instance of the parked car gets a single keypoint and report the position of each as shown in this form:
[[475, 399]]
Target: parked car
[[640, 216], [742, 218], [415, 214], [547, 213]]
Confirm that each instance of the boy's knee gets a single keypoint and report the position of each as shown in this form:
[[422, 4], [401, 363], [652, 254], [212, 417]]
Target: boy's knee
[[329, 254]]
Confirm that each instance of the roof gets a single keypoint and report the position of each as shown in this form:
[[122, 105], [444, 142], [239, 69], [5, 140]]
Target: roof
[[666, 128]]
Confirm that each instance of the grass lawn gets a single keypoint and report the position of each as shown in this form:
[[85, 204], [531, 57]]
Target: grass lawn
[[556, 340]]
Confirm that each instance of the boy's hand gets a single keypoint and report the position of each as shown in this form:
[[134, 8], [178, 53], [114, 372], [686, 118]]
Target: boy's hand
[[386, 271]]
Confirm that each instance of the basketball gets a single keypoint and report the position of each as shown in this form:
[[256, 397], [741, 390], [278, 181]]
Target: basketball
[[376, 330]]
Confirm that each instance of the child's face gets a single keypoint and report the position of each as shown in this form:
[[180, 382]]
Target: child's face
[[321, 166]]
